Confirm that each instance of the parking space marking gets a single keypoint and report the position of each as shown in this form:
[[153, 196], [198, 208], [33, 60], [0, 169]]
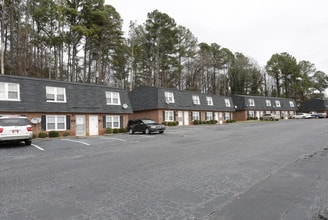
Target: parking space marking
[[118, 139], [81, 142], [40, 148]]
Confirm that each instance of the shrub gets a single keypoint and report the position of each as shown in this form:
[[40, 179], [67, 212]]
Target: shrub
[[116, 131], [172, 123], [109, 130], [230, 121], [53, 134], [122, 130], [66, 133], [43, 135]]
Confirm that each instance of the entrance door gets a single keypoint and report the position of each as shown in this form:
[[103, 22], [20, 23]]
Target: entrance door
[[186, 118], [216, 116], [180, 117], [93, 125], [80, 125]]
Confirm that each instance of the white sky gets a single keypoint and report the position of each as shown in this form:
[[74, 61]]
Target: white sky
[[256, 28]]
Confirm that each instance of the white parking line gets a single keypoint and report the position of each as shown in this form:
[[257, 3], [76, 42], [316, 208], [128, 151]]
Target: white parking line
[[81, 142], [118, 139], [37, 147]]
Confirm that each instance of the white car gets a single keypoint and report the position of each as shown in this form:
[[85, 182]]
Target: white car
[[301, 115], [15, 129]]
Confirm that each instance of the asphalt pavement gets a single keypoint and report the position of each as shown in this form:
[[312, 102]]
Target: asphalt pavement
[[249, 171]]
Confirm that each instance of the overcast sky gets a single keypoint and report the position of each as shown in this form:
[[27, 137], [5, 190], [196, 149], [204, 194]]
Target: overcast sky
[[256, 28]]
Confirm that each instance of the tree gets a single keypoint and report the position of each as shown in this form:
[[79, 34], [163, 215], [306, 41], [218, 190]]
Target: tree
[[320, 82], [282, 67]]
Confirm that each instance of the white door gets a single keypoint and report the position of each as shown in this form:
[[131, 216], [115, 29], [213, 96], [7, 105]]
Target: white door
[[186, 118], [80, 125], [93, 125], [216, 116], [180, 117]]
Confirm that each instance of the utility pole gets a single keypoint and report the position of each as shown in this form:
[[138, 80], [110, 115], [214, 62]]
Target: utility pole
[[2, 37]]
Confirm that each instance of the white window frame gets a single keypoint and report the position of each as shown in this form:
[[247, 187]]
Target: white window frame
[[195, 100], [113, 98], [227, 102], [251, 102], [169, 97], [113, 121], [278, 103], [268, 102], [195, 116], [291, 104], [9, 89], [209, 116], [56, 120], [168, 115], [56, 92], [209, 100]]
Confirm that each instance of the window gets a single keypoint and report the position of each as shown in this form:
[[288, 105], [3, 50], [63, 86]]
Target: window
[[195, 116], [209, 100], [209, 116], [268, 102], [251, 102], [291, 104], [227, 102], [195, 100], [227, 116], [9, 91], [168, 115], [278, 103], [55, 122], [113, 121], [113, 98], [55, 94], [169, 97]]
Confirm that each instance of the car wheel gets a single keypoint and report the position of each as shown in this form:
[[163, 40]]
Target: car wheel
[[131, 131], [147, 131], [161, 132], [271, 119], [29, 142]]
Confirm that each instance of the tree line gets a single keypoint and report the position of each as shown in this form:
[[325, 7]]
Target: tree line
[[83, 41]]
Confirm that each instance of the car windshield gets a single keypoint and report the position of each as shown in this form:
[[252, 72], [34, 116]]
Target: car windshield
[[13, 122], [148, 121]]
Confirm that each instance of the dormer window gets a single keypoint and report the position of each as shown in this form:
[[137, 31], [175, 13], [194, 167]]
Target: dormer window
[[227, 102], [113, 98], [9, 91], [169, 97], [291, 104], [209, 100], [268, 103], [278, 103], [195, 100], [55, 94], [251, 102]]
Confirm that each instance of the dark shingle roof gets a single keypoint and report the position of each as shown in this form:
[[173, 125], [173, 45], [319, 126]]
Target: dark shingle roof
[[80, 98], [315, 105], [150, 98], [242, 102]]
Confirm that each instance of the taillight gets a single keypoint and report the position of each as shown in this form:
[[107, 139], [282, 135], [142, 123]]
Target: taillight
[[29, 128], [1, 130]]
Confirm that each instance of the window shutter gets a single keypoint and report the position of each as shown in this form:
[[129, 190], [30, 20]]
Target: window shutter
[[191, 116], [200, 116], [104, 121], [43, 123], [68, 122], [121, 121], [174, 117], [164, 116]]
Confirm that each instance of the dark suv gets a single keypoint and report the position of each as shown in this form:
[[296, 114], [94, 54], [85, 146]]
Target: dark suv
[[145, 126], [15, 129]]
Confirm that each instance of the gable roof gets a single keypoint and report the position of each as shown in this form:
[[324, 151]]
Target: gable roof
[[242, 102], [80, 97], [151, 98], [315, 105]]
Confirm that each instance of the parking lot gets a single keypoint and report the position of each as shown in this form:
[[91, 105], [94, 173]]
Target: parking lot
[[250, 170]]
